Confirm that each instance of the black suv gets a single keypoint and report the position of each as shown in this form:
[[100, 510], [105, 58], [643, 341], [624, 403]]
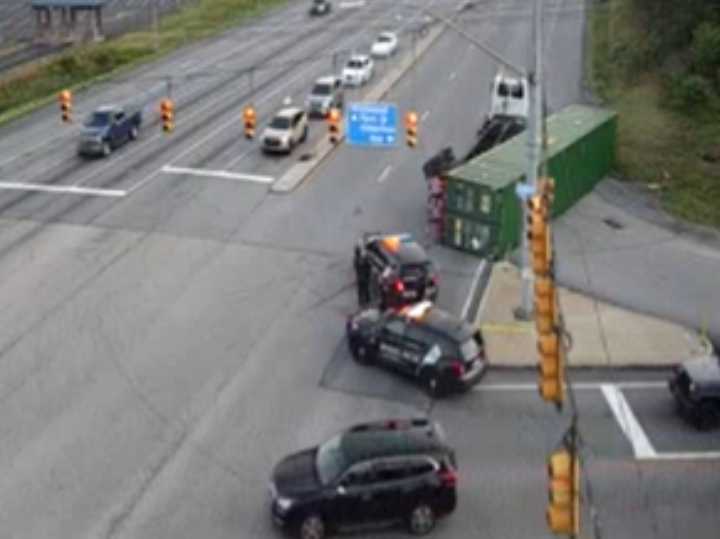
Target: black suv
[[442, 351], [400, 270], [695, 384], [320, 7], [373, 473]]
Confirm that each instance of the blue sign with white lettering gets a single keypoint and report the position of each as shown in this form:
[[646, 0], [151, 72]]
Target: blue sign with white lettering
[[372, 124]]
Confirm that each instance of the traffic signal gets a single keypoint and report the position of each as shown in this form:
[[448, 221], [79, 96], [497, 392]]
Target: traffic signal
[[563, 511], [250, 119], [334, 119], [411, 128], [167, 113], [539, 234], [65, 98]]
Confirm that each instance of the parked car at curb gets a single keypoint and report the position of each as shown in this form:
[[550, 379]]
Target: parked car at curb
[[428, 344], [327, 93], [695, 385], [384, 472], [107, 128], [384, 46], [287, 129], [358, 70]]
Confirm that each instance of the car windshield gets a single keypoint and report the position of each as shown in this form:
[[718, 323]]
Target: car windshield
[[470, 349], [330, 460], [280, 122], [384, 39], [98, 119], [354, 64], [322, 89]]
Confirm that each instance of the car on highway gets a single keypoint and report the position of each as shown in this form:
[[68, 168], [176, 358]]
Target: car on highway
[[320, 7], [384, 46], [358, 70], [287, 129], [326, 93], [401, 271], [695, 384], [107, 128], [424, 342], [382, 472]]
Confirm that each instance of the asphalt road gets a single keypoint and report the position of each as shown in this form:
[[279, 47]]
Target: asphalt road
[[164, 347]]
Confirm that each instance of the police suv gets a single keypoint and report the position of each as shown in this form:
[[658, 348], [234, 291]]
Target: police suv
[[442, 351], [400, 270]]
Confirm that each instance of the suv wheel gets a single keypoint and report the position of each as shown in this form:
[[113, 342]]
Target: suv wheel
[[436, 384], [133, 132], [421, 520], [304, 135], [312, 527], [361, 353], [708, 416], [106, 149]]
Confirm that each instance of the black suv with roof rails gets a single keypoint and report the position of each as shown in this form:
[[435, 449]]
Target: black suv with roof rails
[[400, 270], [444, 352], [695, 384], [384, 472]]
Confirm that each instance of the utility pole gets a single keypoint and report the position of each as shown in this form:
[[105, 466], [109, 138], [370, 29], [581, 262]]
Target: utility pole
[[535, 127]]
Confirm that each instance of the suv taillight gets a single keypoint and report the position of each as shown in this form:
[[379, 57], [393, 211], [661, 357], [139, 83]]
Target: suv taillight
[[457, 368], [448, 477], [399, 286]]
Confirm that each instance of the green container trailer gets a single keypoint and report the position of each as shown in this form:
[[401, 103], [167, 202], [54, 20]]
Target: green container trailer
[[481, 192]]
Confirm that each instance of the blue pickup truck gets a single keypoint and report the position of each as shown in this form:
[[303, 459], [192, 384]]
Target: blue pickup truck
[[107, 128]]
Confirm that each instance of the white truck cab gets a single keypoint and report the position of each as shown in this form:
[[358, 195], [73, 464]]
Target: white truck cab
[[509, 97]]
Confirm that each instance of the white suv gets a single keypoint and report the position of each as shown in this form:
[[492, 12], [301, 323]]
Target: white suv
[[287, 129], [358, 70]]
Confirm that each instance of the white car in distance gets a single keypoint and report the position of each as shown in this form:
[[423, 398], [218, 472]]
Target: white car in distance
[[358, 70], [385, 45]]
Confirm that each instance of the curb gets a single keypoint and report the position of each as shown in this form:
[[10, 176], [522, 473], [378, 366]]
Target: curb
[[299, 172]]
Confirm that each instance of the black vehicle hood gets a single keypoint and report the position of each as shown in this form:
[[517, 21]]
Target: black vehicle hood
[[296, 474], [704, 370]]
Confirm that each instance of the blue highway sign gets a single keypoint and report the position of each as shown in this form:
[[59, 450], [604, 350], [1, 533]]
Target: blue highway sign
[[372, 124]]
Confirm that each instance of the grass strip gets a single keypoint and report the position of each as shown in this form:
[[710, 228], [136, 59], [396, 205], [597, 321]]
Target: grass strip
[[31, 86]]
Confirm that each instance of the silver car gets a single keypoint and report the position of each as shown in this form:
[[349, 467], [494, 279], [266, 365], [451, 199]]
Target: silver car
[[327, 93], [287, 129]]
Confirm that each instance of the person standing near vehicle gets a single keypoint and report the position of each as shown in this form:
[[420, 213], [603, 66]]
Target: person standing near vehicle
[[362, 273]]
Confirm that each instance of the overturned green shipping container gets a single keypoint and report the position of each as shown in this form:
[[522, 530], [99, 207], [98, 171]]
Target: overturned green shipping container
[[484, 215]]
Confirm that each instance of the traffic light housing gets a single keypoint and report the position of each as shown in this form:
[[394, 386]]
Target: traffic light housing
[[167, 113], [65, 99], [563, 511], [334, 119], [539, 234], [411, 128], [250, 120]]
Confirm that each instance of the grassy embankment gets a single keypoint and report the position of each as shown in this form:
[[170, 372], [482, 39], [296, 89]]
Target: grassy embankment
[[669, 127], [29, 87]]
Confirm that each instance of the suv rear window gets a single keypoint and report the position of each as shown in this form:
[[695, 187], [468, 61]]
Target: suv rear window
[[355, 64], [322, 89]]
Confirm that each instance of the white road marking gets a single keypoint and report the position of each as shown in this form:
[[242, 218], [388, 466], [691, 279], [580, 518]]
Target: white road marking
[[629, 424], [224, 174], [473, 287], [689, 455], [348, 4], [62, 189], [452, 75], [424, 115], [581, 386], [384, 174]]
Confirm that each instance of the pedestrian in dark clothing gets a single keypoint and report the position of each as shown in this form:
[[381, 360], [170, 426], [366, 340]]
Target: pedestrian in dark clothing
[[362, 273]]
